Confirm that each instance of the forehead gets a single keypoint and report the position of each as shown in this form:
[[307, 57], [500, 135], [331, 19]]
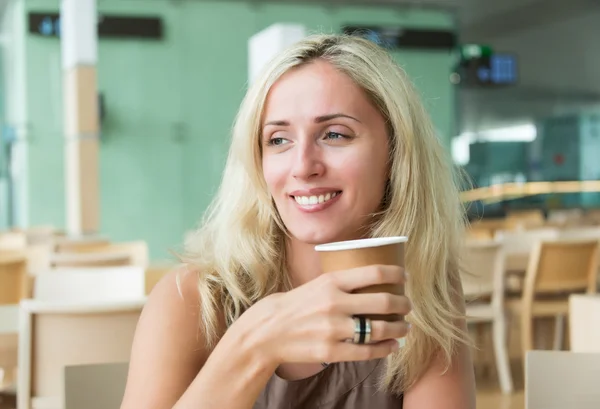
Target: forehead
[[312, 90]]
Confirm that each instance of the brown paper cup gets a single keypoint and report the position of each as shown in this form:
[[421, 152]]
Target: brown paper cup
[[345, 255]]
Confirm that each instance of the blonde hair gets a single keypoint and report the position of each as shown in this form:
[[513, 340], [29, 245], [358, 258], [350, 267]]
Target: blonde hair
[[239, 250]]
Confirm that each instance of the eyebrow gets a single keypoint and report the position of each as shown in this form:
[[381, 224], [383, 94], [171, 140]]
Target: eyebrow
[[318, 120]]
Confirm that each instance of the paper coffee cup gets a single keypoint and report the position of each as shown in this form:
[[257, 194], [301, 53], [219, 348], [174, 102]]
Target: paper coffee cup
[[344, 255]]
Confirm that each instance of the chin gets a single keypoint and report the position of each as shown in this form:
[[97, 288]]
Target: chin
[[315, 237]]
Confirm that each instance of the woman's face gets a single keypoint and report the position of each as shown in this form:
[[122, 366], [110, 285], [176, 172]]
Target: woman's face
[[325, 154]]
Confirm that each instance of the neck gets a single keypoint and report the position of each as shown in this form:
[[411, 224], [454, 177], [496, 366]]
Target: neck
[[302, 262]]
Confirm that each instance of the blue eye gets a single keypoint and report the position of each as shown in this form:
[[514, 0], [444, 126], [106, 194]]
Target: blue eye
[[276, 141], [335, 135]]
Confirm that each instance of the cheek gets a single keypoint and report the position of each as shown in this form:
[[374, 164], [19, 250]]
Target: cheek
[[366, 173], [274, 174]]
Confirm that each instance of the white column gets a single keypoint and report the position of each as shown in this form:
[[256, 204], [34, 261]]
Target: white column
[[79, 46], [266, 44]]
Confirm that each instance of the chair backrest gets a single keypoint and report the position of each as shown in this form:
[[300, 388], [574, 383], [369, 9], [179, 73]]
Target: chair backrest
[[562, 266], [74, 245], [104, 382], [522, 242], [483, 269], [90, 284], [59, 260], [584, 323], [137, 251], [57, 335], [561, 379], [13, 277]]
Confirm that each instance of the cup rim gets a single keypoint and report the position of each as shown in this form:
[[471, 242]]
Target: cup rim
[[360, 243]]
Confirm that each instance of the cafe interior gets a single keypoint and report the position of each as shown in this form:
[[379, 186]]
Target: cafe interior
[[114, 128]]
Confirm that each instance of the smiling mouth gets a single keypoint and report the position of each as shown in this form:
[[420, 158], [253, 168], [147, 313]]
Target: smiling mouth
[[316, 199]]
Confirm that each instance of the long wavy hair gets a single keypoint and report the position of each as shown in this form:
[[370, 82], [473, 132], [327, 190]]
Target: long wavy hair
[[238, 251]]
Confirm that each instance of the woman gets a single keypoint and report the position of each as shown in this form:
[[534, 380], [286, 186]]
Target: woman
[[330, 144]]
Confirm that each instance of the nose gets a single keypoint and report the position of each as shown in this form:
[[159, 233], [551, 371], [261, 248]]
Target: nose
[[308, 161]]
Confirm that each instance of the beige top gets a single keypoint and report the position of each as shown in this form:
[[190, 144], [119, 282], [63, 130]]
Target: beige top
[[344, 385]]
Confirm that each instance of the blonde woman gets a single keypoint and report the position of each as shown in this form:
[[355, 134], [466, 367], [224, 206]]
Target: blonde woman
[[331, 143]]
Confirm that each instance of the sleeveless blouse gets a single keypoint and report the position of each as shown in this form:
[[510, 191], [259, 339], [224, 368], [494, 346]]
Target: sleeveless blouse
[[343, 385]]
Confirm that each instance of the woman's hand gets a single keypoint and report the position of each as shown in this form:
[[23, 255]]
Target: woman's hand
[[313, 322]]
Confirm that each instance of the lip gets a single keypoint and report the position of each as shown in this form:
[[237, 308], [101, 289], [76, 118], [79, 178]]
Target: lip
[[315, 207]]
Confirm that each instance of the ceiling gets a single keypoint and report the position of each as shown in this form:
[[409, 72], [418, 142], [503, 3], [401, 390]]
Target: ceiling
[[476, 19], [483, 19]]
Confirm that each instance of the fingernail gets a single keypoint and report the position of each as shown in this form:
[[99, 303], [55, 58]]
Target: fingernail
[[408, 325], [406, 275], [401, 342]]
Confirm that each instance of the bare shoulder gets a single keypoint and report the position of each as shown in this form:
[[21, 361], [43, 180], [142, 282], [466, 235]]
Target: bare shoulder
[[168, 348]]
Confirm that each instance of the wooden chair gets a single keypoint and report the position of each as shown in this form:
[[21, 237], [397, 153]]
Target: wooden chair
[[75, 245], [556, 270], [559, 380], [13, 276], [483, 286], [13, 288], [137, 251], [105, 382], [518, 245], [55, 335]]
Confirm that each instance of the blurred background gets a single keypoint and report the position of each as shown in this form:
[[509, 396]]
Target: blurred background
[[115, 118]]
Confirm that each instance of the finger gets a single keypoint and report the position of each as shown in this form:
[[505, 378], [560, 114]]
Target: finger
[[383, 330], [347, 352], [374, 304], [360, 277]]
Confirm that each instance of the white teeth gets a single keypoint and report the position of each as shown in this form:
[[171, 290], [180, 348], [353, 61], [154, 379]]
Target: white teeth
[[313, 200]]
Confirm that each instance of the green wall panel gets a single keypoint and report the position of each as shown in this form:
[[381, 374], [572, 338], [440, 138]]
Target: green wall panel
[[170, 107], [214, 72]]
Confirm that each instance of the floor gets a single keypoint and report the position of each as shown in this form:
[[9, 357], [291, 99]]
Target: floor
[[488, 391]]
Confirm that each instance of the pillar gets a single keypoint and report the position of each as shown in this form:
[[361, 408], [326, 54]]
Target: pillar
[[266, 44], [79, 46]]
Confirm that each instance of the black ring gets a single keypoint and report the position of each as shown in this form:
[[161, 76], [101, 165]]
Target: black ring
[[363, 330]]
